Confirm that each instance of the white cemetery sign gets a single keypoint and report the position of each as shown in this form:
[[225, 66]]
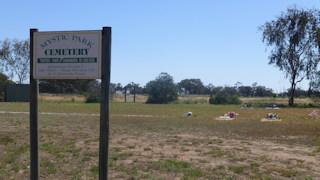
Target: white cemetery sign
[[67, 55]]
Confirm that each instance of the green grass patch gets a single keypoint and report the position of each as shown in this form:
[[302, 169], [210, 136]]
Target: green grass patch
[[238, 169], [47, 165], [218, 153], [121, 156], [117, 149], [183, 149], [193, 172], [238, 159], [289, 173], [316, 150], [94, 170], [91, 154], [13, 154], [171, 165], [178, 167], [5, 140], [131, 147]]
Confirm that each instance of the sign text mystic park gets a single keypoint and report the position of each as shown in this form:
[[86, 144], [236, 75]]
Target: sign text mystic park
[[67, 55]]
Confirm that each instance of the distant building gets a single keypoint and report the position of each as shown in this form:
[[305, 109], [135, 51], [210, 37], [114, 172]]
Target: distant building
[[17, 93]]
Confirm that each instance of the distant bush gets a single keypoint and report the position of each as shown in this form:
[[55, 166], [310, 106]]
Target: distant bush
[[92, 97], [224, 98]]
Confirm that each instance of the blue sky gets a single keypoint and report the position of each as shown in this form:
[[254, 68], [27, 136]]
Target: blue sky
[[215, 41]]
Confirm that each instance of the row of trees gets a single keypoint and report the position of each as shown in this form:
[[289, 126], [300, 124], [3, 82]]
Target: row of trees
[[164, 90], [185, 87], [161, 90], [189, 87]]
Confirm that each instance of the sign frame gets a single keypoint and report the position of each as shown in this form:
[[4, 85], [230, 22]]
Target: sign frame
[[105, 59]]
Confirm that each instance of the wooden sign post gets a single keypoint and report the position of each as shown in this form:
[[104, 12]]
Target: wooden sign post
[[34, 137], [70, 55], [105, 105]]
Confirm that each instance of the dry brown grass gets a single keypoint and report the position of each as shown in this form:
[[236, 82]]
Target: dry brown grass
[[60, 98], [278, 100], [195, 98], [204, 98]]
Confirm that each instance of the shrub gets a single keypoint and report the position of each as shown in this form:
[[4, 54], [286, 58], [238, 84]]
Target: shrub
[[235, 100], [224, 98], [162, 90], [92, 97]]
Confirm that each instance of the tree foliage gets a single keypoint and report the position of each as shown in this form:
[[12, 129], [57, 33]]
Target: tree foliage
[[261, 91], [68, 86], [295, 39], [246, 91], [162, 90], [3, 82], [314, 86], [191, 86], [133, 88], [15, 59]]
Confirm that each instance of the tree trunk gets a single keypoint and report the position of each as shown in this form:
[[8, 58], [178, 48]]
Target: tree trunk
[[125, 94], [293, 88]]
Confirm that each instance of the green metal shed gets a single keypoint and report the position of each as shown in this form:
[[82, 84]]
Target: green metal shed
[[17, 93]]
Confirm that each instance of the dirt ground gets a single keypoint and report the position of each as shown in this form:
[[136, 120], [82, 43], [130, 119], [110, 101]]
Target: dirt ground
[[161, 147], [216, 157]]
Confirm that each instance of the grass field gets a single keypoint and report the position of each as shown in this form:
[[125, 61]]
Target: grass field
[[157, 142]]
